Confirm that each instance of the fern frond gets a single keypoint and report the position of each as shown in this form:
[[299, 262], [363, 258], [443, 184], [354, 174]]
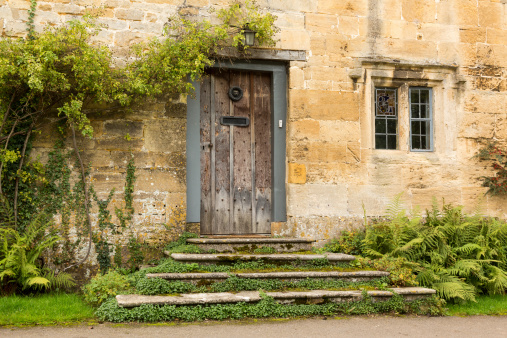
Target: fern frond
[[38, 282], [60, 280], [497, 283], [394, 209]]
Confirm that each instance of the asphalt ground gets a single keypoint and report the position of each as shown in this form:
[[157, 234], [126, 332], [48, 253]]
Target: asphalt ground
[[378, 326]]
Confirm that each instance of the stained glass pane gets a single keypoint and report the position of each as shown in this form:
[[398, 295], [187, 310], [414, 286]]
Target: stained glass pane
[[385, 102], [380, 142]]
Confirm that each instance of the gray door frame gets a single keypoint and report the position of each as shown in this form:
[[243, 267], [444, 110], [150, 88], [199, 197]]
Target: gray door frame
[[278, 142]]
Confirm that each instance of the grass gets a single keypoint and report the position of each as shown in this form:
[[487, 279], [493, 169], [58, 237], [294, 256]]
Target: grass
[[486, 305], [47, 309]]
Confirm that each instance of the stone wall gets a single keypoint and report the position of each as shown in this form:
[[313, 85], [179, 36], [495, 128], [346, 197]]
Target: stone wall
[[458, 47]]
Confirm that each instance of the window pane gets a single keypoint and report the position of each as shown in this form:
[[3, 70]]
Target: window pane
[[415, 111], [416, 142], [414, 96], [423, 143], [424, 111], [380, 126], [416, 127], [424, 124], [425, 96], [380, 142], [391, 126], [391, 141], [385, 102]]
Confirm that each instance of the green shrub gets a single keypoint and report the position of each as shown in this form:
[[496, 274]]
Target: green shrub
[[460, 256], [400, 271], [349, 242], [102, 287], [20, 252], [267, 307]]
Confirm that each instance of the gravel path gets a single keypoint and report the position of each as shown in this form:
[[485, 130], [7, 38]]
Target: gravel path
[[477, 326]]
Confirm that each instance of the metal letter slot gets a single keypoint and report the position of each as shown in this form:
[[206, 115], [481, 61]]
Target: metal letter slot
[[237, 121]]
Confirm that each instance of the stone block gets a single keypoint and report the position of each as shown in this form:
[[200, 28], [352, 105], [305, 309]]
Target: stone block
[[128, 38], [472, 35], [423, 198], [318, 45], [295, 39], [122, 128], [317, 200], [68, 9], [419, 10], [19, 4], [167, 2], [492, 103], [197, 3], [467, 12], [439, 33], [290, 21], [448, 53], [175, 109], [296, 78], [113, 24], [321, 23], [147, 27], [326, 152], [408, 49], [339, 131], [129, 14], [349, 25], [390, 9], [324, 73], [157, 181], [399, 29], [293, 5], [497, 36], [344, 8], [165, 135], [492, 55], [491, 14], [304, 130], [324, 105], [297, 173], [117, 144]]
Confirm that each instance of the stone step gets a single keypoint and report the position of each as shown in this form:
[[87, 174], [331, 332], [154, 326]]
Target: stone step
[[250, 244], [333, 258], [195, 278], [309, 297]]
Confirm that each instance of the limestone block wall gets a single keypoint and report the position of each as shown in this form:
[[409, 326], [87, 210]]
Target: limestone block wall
[[458, 47]]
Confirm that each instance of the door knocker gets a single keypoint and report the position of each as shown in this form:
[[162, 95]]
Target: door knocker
[[235, 93]]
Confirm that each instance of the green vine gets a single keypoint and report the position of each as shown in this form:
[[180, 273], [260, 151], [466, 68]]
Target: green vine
[[31, 15], [125, 215]]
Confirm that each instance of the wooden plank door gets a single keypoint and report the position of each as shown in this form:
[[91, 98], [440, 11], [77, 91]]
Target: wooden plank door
[[236, 159]]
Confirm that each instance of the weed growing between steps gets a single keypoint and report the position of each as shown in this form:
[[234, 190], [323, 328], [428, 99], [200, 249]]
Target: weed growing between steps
[[320, 264], [267, 307], [158, 286]]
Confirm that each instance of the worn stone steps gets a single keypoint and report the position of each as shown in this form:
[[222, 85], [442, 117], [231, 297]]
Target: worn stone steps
[[250, 244], [333, 258], [195, 278], [299, 297]]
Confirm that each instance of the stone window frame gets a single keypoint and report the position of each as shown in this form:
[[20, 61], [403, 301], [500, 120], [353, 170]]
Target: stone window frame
[[446, 85]]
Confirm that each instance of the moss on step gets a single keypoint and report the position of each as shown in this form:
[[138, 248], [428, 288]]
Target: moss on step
[[267, 307]]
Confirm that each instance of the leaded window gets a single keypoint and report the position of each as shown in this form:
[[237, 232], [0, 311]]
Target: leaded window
[[421, 125], [386, 118]]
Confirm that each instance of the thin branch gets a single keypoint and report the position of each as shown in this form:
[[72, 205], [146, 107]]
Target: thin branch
[[87, 208], [7, 111], [5, 148], [21, 162]]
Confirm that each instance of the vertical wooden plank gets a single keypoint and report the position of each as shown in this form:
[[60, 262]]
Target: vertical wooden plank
[[262, 117], [221, 149], [242, 212], [205, 140]]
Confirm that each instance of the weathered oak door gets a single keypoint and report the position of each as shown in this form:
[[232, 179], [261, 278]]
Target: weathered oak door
[[235, 153]]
